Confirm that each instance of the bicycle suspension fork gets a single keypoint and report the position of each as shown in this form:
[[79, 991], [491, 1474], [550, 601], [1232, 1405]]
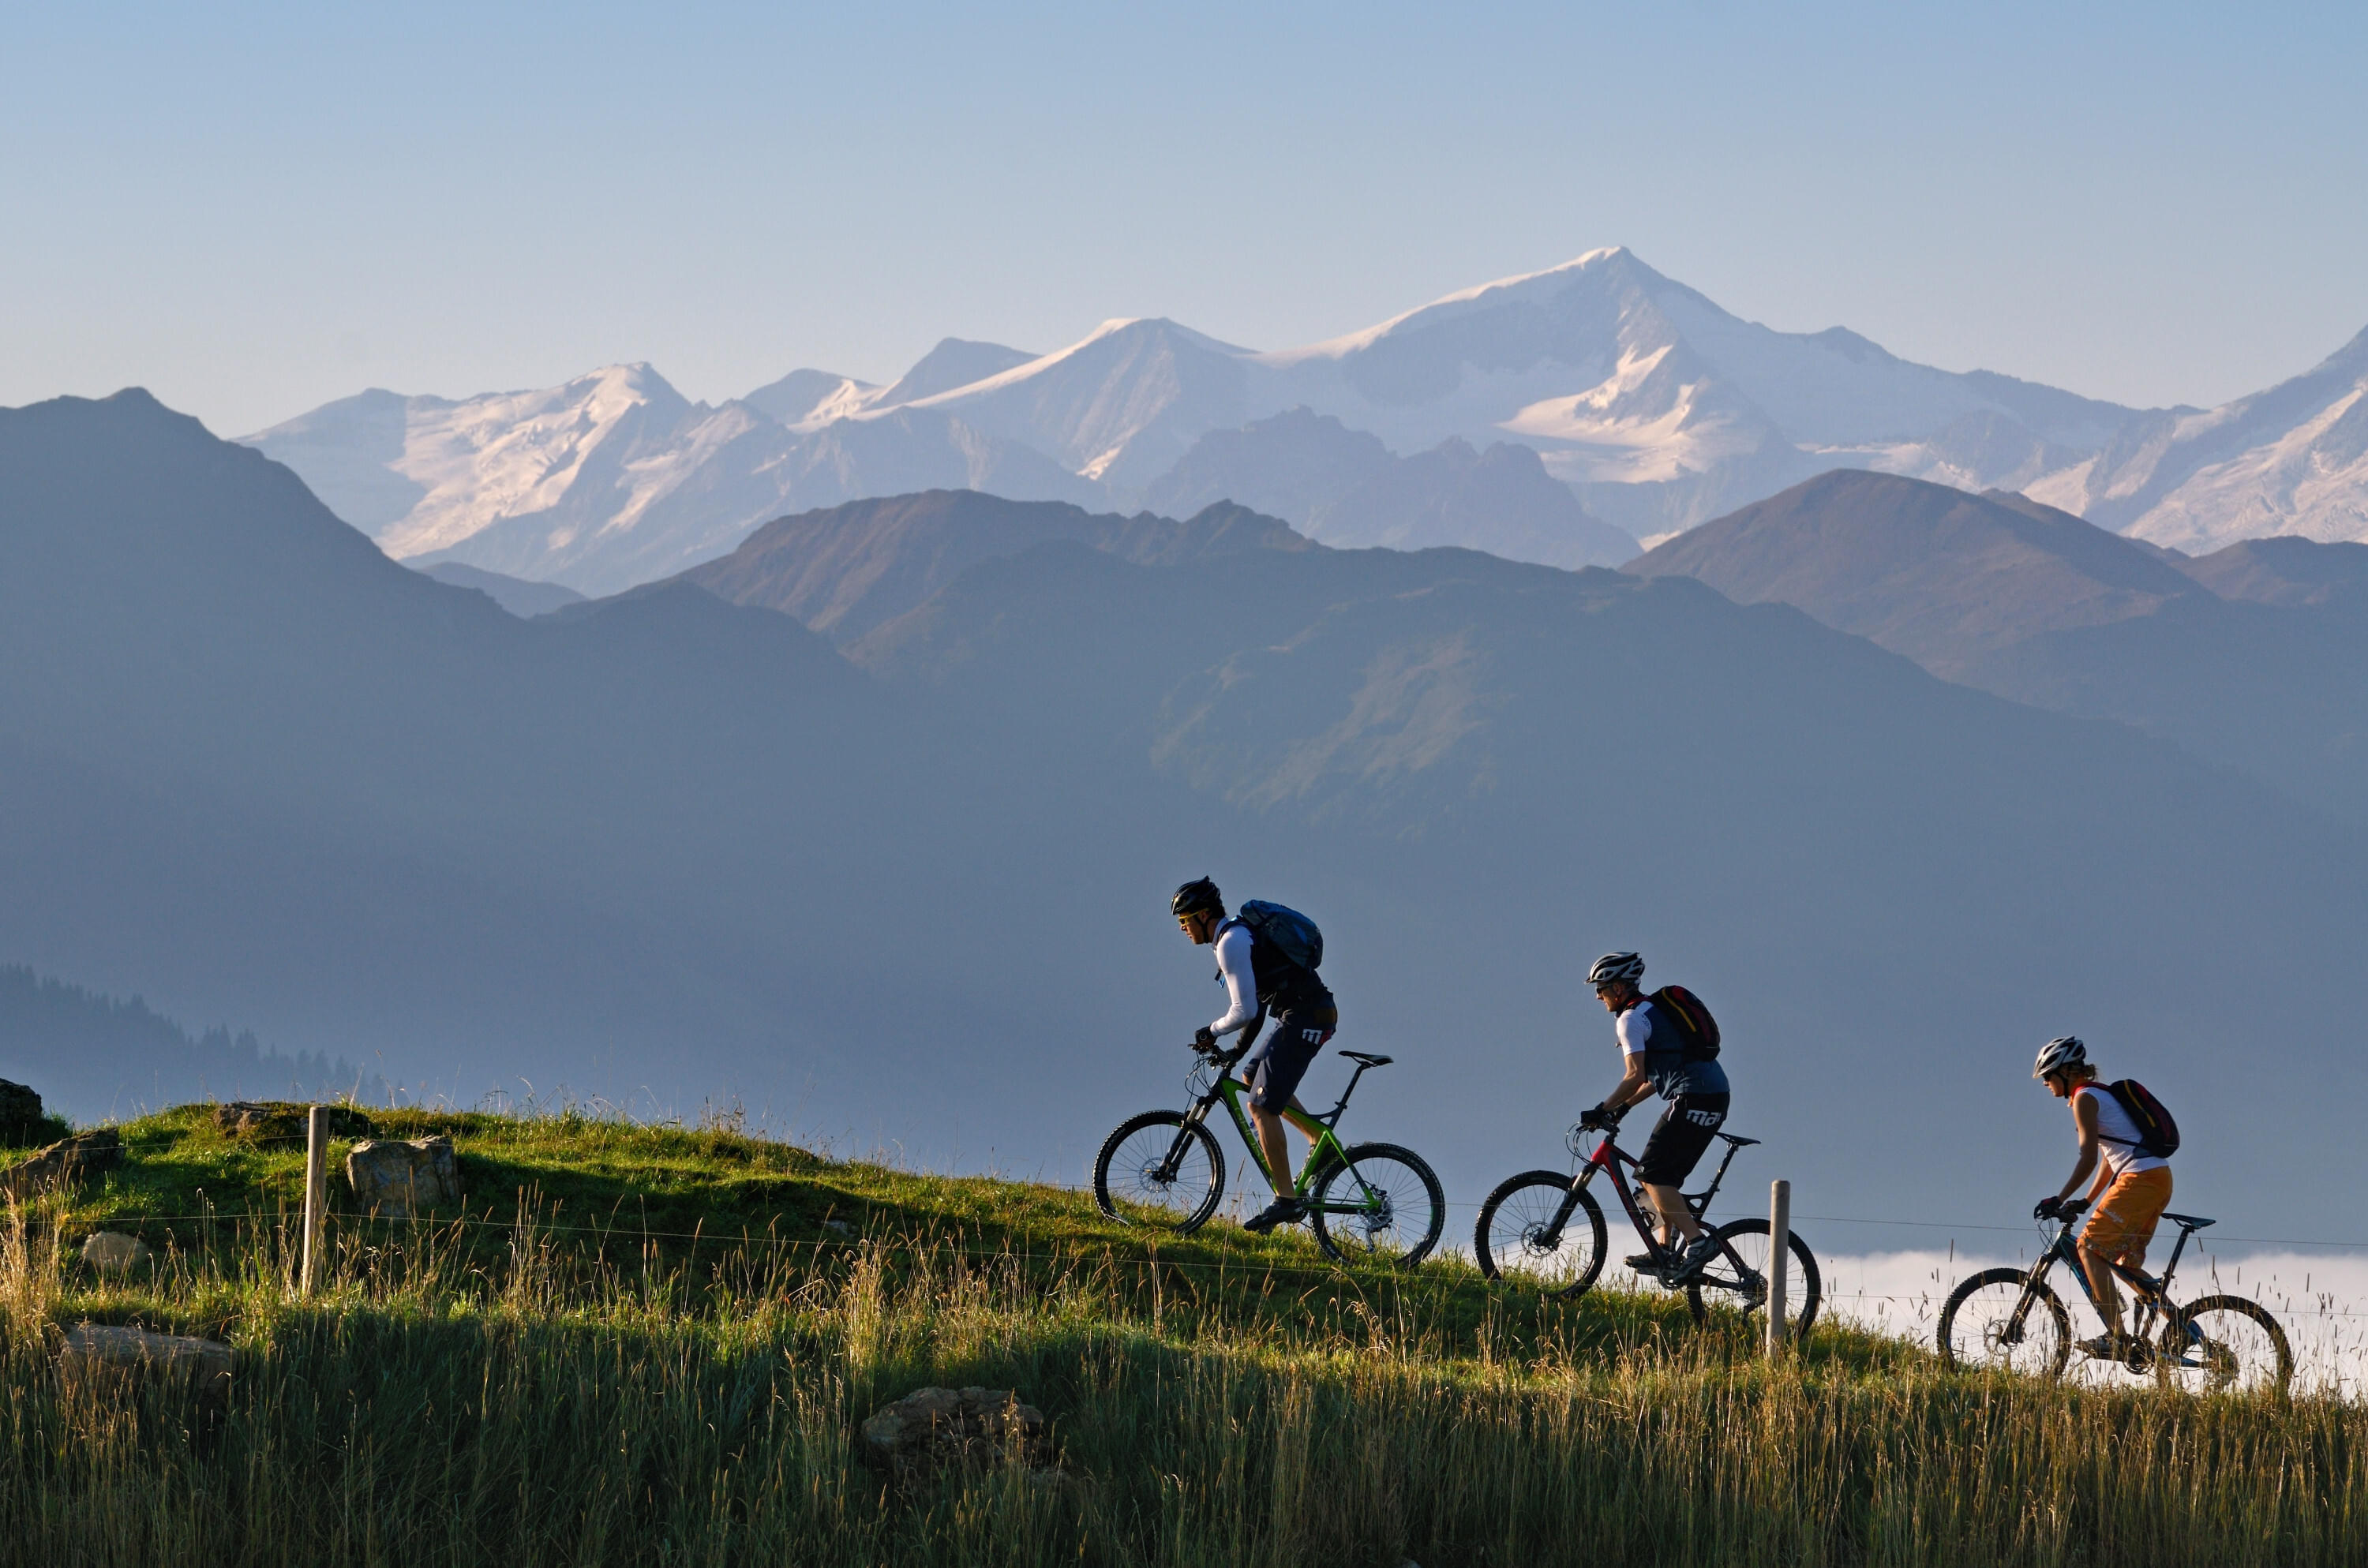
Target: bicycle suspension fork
[[1193, 1119], [1569, 1204]]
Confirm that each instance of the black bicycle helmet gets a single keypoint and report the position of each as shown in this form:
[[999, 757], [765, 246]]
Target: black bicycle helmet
[[1196, 896]]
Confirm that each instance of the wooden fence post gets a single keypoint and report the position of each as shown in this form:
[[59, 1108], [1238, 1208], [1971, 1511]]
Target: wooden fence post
[[1780, 1260], [317, 1192]]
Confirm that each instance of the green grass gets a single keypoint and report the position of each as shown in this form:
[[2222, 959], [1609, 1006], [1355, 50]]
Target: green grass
[[652, 1344]]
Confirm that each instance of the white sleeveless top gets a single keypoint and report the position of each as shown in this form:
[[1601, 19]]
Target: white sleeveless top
[[2117, 1135]]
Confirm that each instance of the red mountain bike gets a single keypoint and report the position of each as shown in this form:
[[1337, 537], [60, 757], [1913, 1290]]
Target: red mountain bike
[[1544, 1230]]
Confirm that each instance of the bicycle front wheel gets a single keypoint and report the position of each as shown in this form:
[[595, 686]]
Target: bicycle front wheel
[[1739, 1276], [1383, 1204], [1160, 1173], [1525, 1238], [1989, 1326], [2226, 1344]]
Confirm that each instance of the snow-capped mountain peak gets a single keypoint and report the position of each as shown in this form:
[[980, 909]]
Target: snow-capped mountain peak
[[1656, 406], [1117, 406], [1365, 337], [2293, 460]]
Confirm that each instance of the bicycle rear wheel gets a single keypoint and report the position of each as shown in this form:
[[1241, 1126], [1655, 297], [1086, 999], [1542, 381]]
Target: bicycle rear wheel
[[1739, 1276], [1985, 1327], [1383, 1204], [1518, 1241], [1158, 1172], [2226, 1344]]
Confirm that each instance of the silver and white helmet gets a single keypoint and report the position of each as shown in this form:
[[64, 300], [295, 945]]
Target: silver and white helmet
[[2065, 1051], [1614, 967]]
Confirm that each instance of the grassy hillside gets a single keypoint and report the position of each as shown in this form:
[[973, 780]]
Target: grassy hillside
[[647, 1344]]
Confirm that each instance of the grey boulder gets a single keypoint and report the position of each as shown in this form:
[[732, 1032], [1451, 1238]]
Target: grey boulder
[[20, 1111], [935, 1429], [63, 1163], [202, 1365], [112, 1251], [273, 1122], [397, 1179]]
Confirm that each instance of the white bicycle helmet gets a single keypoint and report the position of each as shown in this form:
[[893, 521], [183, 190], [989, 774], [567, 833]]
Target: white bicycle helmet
[[2065, 1051], [1614, 967]]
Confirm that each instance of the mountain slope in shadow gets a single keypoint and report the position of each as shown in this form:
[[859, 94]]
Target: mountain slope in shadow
[[2002, 593], [844, 570], [1926, 570]]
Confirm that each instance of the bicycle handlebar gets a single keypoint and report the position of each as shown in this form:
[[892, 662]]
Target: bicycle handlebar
[[1580, 1131], [2070, 1210]]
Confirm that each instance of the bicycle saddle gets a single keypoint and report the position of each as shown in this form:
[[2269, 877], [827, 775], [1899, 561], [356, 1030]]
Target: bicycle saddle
[[2188, 1221], [1384, 1061], [1739, 1143]]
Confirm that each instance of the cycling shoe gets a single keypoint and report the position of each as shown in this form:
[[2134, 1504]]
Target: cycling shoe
[[1281, 1211], [1695, 1257]]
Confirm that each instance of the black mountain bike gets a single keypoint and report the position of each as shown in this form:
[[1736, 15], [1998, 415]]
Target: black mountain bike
[[2008, 1320], [1544, 1229], [1366, 1203]]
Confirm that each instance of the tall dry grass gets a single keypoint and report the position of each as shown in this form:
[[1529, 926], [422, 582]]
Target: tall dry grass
[[428, 1407]]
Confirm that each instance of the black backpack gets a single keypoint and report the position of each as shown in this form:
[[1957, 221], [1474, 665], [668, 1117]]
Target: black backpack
[[1288, 932], [2157, 1133], [1693, 1022]]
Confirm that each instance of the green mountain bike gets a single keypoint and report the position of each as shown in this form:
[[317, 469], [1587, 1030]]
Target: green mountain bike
[[1366, 1203]]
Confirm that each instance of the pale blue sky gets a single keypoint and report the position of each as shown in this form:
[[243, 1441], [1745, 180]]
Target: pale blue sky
[[253, 209]]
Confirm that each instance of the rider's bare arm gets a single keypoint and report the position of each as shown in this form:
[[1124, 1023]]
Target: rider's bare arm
[[2084, 1118], [1633, 1086], [1634, 1083]]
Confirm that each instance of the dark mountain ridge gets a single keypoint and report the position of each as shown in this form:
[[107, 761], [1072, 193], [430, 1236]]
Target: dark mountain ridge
[[1924, 570], [2287, 570], [516, 595], [844, 570], [2002, 593], [1345, 488]]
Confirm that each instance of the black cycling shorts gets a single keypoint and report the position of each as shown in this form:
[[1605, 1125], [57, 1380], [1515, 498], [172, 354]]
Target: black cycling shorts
[[1680, 1138], [1290, 1049]]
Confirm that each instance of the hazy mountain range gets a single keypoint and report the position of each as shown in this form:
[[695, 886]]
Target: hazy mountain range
[[1553, 417], [890, 860]]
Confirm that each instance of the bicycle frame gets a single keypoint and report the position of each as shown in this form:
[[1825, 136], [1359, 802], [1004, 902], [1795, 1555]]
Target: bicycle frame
[[1325, 1149], [1607, 1159], [2154, 1303]]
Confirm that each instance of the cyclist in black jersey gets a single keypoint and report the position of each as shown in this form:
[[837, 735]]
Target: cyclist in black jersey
[[1656, 1062], [1259, 982]]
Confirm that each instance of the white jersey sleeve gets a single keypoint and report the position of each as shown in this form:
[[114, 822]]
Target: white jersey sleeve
[[1634, 1030], [1241, 982]]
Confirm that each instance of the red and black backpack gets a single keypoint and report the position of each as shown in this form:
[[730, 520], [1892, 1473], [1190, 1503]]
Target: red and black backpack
[[2157, 1131], [1693, 1021]]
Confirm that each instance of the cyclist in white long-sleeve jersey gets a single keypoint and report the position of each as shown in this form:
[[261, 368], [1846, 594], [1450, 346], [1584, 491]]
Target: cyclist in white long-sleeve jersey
[[1261, 980]]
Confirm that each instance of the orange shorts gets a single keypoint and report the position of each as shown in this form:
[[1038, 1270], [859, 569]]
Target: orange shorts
[[2125, 1217]]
